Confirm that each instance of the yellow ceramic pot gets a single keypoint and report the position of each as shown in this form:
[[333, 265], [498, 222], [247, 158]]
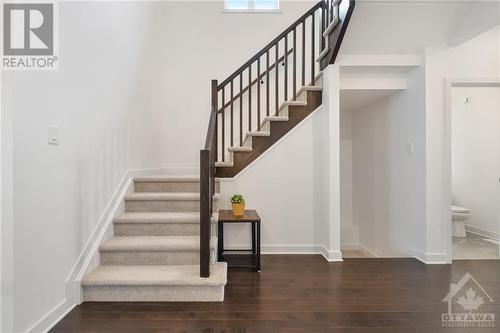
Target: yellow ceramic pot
[[238, 209]]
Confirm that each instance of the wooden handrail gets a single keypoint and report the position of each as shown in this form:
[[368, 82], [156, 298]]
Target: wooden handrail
[[270, 44], [264, 73]]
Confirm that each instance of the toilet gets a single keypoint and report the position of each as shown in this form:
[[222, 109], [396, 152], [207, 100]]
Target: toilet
[[458, 217]]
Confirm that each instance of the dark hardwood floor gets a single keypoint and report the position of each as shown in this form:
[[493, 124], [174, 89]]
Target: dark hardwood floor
[[304, 293]]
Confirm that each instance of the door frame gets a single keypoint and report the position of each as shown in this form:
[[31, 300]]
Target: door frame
[[446, 172]]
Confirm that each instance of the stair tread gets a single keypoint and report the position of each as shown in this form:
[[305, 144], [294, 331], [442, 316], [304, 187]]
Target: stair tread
[[293, 103], [330, 27], [240, 149], [155, 196], [258, 133], [153, 243], [276, 118], [158, 217], [166, 179], [155, 275], [322, 54], [224, 164], [311, 88]]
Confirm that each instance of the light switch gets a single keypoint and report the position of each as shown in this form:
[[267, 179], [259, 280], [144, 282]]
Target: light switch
[[410, 148], [53, 135]]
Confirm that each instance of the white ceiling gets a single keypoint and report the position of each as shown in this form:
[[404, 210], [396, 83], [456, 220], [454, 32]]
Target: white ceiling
[[406, 27]]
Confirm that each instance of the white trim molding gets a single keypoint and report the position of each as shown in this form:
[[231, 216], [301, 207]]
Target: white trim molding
[[330, 256], [429, 258], [52, 317], [482, 232], [360, 248]]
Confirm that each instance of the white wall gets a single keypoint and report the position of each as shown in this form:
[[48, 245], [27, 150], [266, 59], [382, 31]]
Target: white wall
[[349, 233], [475, 151], [6, 226], [477, 58], [61, 191], [190, 44], [388, 190], [123, 99], [281, 186]]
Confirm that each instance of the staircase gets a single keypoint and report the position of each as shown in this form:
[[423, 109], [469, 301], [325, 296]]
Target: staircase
[[154, 254], [163, 248]]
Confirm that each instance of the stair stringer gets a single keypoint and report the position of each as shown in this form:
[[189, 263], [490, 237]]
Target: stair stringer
[[279, 132]]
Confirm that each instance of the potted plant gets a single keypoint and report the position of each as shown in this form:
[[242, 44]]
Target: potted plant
[[238, 205]]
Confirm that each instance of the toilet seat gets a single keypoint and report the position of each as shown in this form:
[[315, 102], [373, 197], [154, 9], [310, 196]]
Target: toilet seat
[[458, 209]]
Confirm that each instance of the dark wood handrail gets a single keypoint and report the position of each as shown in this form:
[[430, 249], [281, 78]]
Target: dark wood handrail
[[211, 128], [261, 76], [271, 44]]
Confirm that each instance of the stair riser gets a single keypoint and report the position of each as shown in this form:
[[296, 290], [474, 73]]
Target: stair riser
[[157, 229], [163, 206], [170, 187], [152, 257], [153, 294]]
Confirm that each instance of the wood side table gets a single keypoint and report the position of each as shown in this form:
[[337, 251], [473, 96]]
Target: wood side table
[[240, 260]]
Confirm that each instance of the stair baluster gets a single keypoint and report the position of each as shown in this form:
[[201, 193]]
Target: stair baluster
[[232, 116], [267, 83], [294, 92], [258, 94], [249, 100]]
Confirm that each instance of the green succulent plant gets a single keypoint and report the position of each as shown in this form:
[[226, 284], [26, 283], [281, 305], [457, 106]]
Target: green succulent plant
[[237, 199]]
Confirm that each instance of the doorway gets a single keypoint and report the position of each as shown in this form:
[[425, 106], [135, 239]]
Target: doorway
[[475, 170]]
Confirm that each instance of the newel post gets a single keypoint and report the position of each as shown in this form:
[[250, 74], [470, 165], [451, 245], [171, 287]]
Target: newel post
[[208, 157]]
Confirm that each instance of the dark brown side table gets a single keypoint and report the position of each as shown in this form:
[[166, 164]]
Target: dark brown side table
[[240, 260]]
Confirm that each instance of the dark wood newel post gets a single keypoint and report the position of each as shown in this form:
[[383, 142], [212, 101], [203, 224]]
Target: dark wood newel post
[[204, 212], [208, 157]]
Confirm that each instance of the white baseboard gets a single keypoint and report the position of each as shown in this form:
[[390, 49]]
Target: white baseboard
[[429, 258], [52, 317], [88, 256], [481, 232], [361, 248], [295, 249], [330, 256], [335, 256], [288, 249]]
